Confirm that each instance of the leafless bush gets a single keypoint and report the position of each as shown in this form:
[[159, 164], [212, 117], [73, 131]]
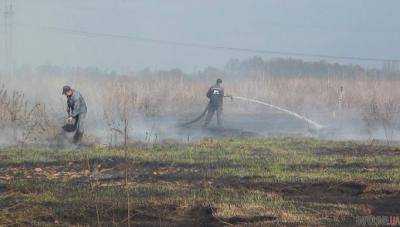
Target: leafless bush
[[38, 125], [370, 117], [13, 106], [119, 108], [28, 123], [381, 114], [389, 118]]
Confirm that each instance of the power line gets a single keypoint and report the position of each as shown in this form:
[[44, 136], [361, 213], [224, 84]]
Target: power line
[[206, 46]]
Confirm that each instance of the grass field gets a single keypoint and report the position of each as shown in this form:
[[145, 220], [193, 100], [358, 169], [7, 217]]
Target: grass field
[[212, 182]]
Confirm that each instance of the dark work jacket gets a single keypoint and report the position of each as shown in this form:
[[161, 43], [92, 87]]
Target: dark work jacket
[[216, 96], [76, 104]]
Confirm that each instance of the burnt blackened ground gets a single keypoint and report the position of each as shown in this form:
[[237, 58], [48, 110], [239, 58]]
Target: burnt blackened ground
[[210, 182], [265, 123]]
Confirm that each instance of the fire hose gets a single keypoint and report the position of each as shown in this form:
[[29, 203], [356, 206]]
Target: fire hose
[[296, 115], [197, 118]]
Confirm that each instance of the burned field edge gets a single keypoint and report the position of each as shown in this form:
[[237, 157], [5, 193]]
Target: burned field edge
[[213, 182]]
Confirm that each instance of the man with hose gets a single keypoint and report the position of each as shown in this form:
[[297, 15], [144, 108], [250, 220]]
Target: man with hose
[[216, 96]]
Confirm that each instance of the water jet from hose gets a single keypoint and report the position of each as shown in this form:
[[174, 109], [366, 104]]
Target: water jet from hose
[[311, 122]]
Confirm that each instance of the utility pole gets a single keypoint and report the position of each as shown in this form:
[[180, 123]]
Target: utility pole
[[8, 30]]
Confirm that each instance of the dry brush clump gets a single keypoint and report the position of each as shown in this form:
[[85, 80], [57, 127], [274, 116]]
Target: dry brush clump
[[119, 109], [28, 122], [382, 114], [13, 106]]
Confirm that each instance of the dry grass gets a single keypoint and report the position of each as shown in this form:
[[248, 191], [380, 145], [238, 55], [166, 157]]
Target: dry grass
[[28, 122], [168, 94]]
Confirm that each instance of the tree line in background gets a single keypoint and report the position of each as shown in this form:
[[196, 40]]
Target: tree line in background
[[288, 67], [297, 67]]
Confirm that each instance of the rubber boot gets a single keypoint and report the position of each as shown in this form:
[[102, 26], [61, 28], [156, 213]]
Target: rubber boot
[[77, 137]]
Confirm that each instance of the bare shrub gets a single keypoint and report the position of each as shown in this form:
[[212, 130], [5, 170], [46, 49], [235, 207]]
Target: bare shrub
[[119, 108], [38, 125], [381, 114], [389, 118], [29, 123], [370, 117], [13, 106]]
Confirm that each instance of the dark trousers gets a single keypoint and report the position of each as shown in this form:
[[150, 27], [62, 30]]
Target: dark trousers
[[79, 128], [210, 114]]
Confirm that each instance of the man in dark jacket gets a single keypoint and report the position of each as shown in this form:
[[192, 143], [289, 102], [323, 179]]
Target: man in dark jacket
[[216, 96], [76, 110]]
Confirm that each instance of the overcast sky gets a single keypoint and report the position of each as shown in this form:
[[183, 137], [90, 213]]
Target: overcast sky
[[365, 28]]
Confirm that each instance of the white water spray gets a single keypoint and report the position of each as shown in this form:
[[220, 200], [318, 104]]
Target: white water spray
[[313, 123]]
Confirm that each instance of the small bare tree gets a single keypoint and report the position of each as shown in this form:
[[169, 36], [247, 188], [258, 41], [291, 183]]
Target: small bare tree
[[15, 112], [383, 115], [389, 119], [119, 109], [38, 125], [370, 117]]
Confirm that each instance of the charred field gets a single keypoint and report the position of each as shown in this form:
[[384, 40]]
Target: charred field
[[212, 182]]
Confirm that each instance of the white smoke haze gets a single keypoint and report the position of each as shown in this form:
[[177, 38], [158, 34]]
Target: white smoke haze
[[157, 102]]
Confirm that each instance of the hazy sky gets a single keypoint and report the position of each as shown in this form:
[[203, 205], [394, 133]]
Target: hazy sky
[[367, 28]]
